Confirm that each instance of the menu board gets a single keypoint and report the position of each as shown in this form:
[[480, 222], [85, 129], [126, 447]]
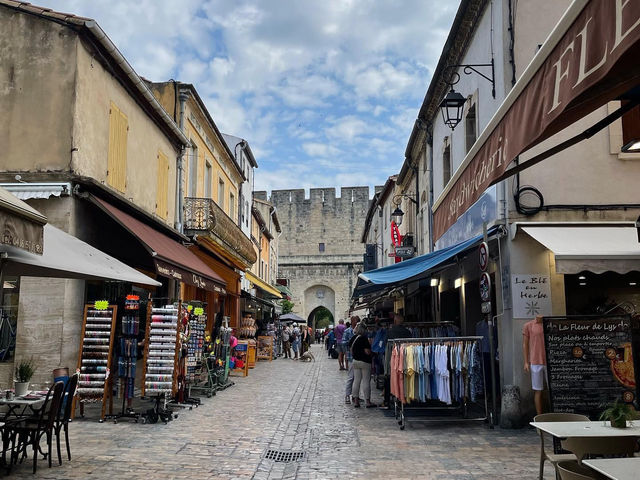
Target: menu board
[[590, 362]]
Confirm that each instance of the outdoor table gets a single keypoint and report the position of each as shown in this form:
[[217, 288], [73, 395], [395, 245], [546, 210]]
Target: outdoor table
[[616, 468], [18, 402], [587, 429]]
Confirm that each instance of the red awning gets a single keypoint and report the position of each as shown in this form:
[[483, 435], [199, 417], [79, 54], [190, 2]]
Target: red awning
[[590, 58], [171, 258]]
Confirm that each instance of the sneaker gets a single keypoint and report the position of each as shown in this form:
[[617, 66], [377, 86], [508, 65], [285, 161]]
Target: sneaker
[[347, 400]]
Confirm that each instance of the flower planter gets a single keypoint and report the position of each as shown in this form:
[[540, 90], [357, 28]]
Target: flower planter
[[621, 423]]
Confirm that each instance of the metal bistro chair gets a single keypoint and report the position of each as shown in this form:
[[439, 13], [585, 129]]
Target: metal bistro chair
[[571, 470], [583, 446], [30, 431], [554, 458], [62, 420]]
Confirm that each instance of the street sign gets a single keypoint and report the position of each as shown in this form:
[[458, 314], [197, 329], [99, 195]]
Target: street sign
[[485, 287], [391, 254], [486, 308], [483, 256], [405, 252]]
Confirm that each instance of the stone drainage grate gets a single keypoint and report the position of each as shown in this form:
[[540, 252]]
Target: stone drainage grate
[[285, 456]]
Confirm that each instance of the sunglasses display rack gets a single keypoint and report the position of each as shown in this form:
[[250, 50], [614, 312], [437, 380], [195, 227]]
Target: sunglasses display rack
[[195, 343], [94, 358]]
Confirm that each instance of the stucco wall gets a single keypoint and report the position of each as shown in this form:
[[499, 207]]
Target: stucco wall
[[95, 90], [37, 72]]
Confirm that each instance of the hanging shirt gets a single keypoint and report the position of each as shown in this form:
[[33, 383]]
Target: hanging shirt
[[410, 393]]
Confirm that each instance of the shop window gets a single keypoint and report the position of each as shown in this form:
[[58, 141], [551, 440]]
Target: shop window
[[470, 128], [207, 179], [193, 171], [117, 155], [221, 193], [446, 163], [9, 317], [321, 247], [163, 186]]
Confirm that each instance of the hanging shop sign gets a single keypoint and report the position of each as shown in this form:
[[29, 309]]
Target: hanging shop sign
[[396, 238], [405, 252], [531, 295], [586, 62], [591, 362], [485, 287]]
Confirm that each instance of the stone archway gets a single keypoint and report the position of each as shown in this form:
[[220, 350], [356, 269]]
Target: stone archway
[[312, 319], [319, 296]]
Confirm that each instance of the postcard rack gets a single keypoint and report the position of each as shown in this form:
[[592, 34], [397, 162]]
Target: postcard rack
[[94, 358], [161, 351], [433, 411]]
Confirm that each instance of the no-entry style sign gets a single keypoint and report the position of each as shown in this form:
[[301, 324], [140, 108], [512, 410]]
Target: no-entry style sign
[[483, 256]]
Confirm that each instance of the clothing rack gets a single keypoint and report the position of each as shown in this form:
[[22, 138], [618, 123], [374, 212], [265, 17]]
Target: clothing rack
[[462, 407]]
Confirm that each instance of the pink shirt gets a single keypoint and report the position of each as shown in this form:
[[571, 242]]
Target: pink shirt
[[535, 333]]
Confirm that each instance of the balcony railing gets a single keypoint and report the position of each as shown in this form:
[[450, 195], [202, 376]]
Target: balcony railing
[[204, 215]]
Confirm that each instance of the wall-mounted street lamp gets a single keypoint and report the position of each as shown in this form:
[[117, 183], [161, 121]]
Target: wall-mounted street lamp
[[397, 214], [453, 103], [434, 281]]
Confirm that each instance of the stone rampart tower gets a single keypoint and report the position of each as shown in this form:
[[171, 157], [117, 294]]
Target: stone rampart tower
[[320, 251]]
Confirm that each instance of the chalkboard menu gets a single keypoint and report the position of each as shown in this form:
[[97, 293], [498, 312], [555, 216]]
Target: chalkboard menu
[[590, 362]]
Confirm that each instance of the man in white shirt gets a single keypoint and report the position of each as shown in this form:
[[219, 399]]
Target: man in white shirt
[[286, 344]]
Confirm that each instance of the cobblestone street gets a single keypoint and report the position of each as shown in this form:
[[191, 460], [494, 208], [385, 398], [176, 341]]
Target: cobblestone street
[[288, 405]]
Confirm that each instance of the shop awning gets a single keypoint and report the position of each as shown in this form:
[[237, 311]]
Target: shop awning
[[66, 256], [171, 258], [595, 248], [404, 272], [28, 190], [21, 226], [261, 284], [589, 59]]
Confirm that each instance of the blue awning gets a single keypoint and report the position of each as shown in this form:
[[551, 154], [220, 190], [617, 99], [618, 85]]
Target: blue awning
[[374, 281]]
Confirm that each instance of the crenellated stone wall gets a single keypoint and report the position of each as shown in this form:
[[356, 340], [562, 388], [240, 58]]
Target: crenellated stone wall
[[309, 224]]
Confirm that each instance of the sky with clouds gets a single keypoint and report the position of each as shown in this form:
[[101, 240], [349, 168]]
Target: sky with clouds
[[325, 92]]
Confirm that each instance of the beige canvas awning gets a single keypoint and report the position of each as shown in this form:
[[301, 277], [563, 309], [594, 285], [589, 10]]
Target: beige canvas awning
[[66, 256]]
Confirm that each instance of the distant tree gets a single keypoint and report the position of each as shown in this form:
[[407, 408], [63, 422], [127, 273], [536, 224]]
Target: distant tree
[[287, 306], [323, 317]]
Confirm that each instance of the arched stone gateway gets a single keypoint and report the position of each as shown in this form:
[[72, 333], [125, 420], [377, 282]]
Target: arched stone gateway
[[312, 318], [320, 246]]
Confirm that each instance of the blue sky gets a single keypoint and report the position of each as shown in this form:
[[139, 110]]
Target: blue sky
[[325, 92]]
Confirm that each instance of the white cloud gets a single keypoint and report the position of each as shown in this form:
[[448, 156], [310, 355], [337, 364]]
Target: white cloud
[[303, 82]]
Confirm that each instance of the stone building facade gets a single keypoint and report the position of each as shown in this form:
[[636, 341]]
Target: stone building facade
[[320, 253]]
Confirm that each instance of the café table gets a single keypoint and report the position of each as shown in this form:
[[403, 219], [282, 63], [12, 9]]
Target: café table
[[616, 468], [587, 429], [17, 403]]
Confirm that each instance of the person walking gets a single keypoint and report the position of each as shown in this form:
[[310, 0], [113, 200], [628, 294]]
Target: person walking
[[361, 351], [286, 344], [339, 332]]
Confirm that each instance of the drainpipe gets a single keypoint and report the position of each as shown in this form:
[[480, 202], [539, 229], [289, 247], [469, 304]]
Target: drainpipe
[[242, 144], [183, 96], [430, 202]]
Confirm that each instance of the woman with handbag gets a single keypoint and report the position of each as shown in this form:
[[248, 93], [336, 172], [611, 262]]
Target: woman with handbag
[[361, 353]]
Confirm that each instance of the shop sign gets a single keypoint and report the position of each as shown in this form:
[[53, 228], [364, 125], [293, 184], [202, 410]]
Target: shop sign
[[470, 223], [21, 233], [483, 256], [588, 66], [485, 308], [396, 238], [485, 287], [591, 362], [405, 252], [531, 295], [173, 271]]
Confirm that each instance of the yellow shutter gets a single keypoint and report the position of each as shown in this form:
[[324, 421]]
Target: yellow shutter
[[117, 157], [163, 185]]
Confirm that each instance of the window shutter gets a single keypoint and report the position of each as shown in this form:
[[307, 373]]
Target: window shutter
[[163, 186], [117, 155]]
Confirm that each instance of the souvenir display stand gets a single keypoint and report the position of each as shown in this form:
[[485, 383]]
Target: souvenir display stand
[[160, 357], [252, 353], [127, 347], [459, 378], [192, 323], [94, 358], [240, 363], [265, 347]]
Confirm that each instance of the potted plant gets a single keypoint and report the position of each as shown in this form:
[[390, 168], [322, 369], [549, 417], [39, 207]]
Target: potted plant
[[24, 371], [618, 414]]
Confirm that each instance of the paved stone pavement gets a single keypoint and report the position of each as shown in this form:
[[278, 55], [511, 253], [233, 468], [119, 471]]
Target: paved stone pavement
[[290, 405]]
